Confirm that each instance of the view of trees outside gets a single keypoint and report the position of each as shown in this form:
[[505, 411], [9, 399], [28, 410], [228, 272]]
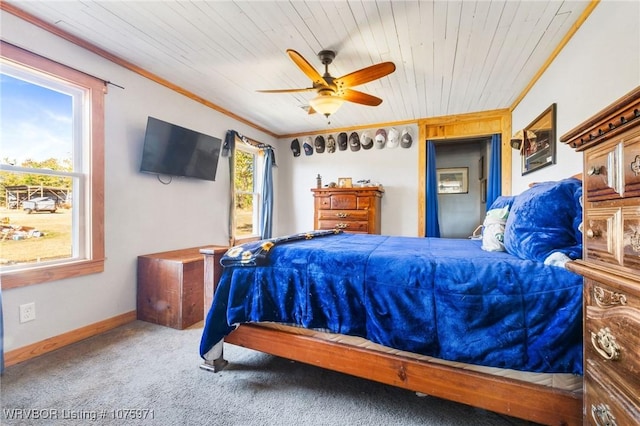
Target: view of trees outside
[[245, 195], [36, 132]]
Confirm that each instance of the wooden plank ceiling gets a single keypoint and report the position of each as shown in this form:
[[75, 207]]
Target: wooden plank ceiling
[[452, 57]]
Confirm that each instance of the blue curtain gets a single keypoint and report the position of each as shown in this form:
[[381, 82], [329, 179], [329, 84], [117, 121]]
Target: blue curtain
[[433, 227], [1, 336], [227, 151], [267, 179], [267, 194], [494, 183]]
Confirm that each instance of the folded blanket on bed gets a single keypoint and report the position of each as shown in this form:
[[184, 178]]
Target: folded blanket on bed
[[445, 298], [256, 253]]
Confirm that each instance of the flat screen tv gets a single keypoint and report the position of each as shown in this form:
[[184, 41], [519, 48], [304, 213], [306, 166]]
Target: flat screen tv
[[173, 150]]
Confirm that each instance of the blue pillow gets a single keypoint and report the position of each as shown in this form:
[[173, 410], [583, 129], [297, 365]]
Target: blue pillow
[[502, 201], [543, 220]]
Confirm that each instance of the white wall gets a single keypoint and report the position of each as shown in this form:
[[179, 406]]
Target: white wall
[[600, 64], [460, 214], [396, 169], [141, 214]]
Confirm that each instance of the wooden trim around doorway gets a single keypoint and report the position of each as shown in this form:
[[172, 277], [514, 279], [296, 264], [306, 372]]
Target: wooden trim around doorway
[[456, 127]]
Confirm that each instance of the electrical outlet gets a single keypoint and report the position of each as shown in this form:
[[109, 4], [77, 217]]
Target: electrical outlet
[[27, 312]]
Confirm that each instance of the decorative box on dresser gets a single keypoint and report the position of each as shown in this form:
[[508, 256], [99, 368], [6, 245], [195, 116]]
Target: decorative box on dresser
[[354, 210], [610, 141]]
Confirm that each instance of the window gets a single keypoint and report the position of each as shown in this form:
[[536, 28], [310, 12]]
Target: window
[[247, 183], [51, 170]]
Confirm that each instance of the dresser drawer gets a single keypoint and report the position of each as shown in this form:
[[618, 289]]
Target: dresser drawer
[[344, 202], [631, 236], [345, 225], [343, 215], [605, 406], [601, 234], [323, 202], [612, 343], [603, 180], [612, 352], [631, 166]]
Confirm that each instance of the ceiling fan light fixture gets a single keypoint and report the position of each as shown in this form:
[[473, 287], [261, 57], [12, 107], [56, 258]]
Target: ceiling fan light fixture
[[326, 104]]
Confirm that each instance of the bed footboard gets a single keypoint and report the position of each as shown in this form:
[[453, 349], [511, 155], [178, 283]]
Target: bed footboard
[[528, 401]]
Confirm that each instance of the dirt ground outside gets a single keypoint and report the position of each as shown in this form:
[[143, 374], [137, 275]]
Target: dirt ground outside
[[55, 240]]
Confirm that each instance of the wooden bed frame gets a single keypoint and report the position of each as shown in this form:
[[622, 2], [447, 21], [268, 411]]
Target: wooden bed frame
[[537, 403]]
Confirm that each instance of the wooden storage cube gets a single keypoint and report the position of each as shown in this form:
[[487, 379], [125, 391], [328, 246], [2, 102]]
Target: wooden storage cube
[[171, 288]]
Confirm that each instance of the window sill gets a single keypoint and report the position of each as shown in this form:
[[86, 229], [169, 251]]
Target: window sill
[[15, 279]]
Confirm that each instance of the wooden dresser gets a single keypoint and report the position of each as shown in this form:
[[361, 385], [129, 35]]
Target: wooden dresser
[[350, 209], [610, 141]]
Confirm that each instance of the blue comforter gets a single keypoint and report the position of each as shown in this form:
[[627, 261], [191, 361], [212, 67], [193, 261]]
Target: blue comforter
[[445, 298]]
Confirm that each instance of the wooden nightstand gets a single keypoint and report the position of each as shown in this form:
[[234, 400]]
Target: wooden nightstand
[[171, 287]]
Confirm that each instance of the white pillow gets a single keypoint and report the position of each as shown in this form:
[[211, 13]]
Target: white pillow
[[493, 229]]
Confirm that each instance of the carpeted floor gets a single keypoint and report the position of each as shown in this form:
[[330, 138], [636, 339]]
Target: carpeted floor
[[147, 374]]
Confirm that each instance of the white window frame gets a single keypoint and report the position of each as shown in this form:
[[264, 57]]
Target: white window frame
[[88, 168], [258, 184]]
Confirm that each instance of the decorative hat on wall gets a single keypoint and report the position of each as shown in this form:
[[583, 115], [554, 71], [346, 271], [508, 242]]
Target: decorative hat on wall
[[308, 148], [381, 138], [406, 140], [331, 144], [354, 142], [342, 141], [295, 147], [320, 144], [393, 139], [366, 140]]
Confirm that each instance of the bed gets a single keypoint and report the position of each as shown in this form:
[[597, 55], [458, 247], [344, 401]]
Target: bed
[[493, 322]]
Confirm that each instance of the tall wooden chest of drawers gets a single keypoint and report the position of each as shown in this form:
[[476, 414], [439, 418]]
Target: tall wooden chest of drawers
[[611, 261], [349, 209]]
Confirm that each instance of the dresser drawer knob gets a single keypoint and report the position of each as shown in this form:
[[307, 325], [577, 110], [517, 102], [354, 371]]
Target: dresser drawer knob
[[594, 170], [605, 344], [602, 415], [593, 233], [342, 214], [342, 225]]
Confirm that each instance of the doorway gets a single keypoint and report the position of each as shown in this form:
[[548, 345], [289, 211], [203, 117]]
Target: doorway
[[459, 212]]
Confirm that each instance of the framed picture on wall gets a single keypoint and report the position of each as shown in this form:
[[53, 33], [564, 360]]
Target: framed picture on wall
[[453, 180], [539, 143]]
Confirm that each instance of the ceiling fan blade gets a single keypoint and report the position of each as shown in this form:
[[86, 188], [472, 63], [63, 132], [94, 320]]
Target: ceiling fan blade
[[365, 75], [286, 90], [359, 97], [307, 68]]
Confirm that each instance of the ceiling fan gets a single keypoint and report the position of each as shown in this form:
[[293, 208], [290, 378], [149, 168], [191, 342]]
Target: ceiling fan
[[332, 92]]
